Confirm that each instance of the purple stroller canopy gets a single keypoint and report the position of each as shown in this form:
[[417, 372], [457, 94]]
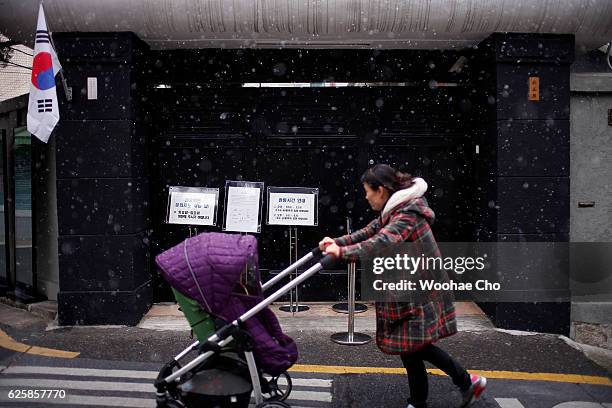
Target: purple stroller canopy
[[208, 268]]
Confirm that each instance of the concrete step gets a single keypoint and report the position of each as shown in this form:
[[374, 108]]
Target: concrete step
[[319, 317]]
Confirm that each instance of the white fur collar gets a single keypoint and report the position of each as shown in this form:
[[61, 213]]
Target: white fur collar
[[415, 191]]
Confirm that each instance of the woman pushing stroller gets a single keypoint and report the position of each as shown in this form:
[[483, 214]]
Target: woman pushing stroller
[[406, 328]]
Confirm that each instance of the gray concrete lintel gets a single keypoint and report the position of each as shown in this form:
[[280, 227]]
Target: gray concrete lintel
[[591, 82], [592, 312]]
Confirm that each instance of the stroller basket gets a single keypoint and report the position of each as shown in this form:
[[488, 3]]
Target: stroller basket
[[199, 272]]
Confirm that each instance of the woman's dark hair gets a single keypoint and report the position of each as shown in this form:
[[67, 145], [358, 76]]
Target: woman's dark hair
[[386, 176]]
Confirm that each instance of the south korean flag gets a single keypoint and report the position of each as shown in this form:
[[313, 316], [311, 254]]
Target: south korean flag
[[43, 112]]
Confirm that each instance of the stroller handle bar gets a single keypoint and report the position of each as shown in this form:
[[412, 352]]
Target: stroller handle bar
[[314, 254], [221, 337], [325, 262]]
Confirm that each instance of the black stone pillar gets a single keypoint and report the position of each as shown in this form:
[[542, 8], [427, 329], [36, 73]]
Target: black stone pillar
[[524, 168], [102, 178]]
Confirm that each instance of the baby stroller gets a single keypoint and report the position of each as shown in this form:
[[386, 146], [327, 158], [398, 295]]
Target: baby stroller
[[241, 349]]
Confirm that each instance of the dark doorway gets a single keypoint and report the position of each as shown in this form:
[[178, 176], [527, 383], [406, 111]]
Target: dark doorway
[[322, 137]]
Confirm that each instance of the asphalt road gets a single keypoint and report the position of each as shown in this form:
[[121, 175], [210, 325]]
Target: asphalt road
[[98, 386], [525, 371]]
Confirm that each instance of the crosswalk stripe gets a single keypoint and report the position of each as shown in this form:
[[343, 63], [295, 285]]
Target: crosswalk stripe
[[77, 385], [121, 401], [509, 403], [306, 382], [125, 387], [305, 396], [145, 375], [107, 401], [84, 372], [252, 404], [79, 380], [12, 382], [310, 396], [296, 406], [138, 402]]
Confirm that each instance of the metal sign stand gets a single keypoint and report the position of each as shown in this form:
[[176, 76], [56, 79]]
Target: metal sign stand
[[291, 307], [351, 338]]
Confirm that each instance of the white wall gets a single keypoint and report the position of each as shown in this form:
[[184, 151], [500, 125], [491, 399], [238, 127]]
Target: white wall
[[591, 180]]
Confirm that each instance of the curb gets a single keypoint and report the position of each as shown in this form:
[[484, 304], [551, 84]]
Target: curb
[[46, 310], [598, 355]]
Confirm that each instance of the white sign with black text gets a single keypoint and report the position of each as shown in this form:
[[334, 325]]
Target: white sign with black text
[[192, 207], [286, 208]]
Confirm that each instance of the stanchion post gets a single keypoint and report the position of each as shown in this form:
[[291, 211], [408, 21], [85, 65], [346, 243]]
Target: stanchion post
[[351, 301], [293, 249], [343, 307], [351, 338]]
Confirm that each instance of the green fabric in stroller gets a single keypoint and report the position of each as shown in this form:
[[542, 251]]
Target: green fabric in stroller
[[203, 326], [201, 323]]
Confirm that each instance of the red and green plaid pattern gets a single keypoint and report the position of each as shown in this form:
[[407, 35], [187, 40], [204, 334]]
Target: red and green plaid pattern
[[403, 327]]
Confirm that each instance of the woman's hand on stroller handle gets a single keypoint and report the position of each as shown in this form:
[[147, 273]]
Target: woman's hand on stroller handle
[[333, 250], [325, 242]]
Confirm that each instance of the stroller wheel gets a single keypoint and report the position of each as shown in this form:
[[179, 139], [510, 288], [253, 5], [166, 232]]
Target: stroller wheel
[[273, 404], [280, 387]]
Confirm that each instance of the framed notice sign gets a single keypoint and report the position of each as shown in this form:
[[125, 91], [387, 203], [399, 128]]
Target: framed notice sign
[[192, 205], [243, 201], [294, 206]]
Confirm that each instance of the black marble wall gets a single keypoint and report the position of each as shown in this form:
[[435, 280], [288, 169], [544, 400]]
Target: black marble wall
[[102, 185], [524, 157]]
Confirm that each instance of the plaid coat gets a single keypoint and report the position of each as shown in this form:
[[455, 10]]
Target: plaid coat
[[403, 327]]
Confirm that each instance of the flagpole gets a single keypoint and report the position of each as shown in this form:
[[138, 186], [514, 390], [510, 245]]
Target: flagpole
[[67, 89]]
